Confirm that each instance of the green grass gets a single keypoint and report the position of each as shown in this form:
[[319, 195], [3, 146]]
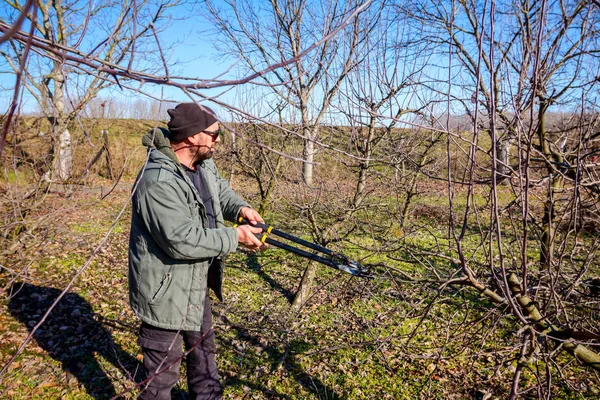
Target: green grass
[[353, 338], [17, 177]]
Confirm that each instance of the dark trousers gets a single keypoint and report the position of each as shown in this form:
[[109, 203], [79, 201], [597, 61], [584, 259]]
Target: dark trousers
[[162, 351]]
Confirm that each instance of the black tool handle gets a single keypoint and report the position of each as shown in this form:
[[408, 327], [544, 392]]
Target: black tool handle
[[293, 238], [345, 265], [311, 256]]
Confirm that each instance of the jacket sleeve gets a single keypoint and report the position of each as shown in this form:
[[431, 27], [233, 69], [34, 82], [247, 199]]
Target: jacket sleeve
[[231, 203], [167, 216]]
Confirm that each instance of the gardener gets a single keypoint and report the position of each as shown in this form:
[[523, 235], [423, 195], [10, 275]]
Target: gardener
[[176, 249]]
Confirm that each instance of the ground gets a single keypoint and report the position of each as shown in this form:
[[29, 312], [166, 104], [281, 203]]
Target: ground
[[353, 338]]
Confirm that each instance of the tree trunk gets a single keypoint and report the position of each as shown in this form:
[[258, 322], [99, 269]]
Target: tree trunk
[[547, 245], [308, 153], [410, 193], [304, 288], [503, 147], [555, 184], [62, 163], [233, 156], [364, 165], [565, 337]]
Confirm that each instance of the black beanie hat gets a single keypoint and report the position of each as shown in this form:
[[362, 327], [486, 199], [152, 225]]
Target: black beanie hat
[[188, 119]]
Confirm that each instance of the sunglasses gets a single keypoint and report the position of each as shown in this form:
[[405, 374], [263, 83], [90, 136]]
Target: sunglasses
[[214, 134]]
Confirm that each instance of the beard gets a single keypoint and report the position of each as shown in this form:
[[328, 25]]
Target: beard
[[203, 153]]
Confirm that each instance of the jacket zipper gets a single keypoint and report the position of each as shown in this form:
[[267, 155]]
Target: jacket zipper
[[162, 288]]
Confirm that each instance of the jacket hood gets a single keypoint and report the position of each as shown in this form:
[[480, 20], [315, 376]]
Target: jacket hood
[[157, 138]]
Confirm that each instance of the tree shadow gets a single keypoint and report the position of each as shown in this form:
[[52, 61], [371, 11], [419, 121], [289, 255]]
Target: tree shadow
[[253, 264], [277, 358], [72, 335]]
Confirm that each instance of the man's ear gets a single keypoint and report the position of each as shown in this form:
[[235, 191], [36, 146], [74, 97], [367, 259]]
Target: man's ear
[[189, 140]]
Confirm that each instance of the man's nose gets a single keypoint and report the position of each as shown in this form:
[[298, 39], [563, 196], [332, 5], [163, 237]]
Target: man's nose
[[218, 139]]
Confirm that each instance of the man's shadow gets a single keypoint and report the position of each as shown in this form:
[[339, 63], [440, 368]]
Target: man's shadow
[[72, 336]]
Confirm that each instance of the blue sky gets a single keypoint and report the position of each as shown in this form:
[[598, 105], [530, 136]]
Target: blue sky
[[194, 55], [191, 49]]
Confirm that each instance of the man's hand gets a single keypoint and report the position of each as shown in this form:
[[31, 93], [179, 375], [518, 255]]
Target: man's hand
[[246, 232], [246, 237], [251, 215]]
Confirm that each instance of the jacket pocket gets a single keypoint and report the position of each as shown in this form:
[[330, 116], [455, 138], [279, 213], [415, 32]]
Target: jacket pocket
[[162, 288]]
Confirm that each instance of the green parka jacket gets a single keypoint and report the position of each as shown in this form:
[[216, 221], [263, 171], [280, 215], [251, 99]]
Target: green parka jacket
[[170, 250]]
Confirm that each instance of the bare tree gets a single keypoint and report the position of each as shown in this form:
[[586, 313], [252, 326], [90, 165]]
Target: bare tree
[[261, 38], [107, 32], [518, 262], [264, 166], [148, 109], [516, 70], [75, 57], [373, 100]]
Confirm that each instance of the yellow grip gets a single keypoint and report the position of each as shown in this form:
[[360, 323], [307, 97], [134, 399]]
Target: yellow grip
[[263, 238]]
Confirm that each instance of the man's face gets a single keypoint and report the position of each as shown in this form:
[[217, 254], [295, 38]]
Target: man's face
[[204, 143]]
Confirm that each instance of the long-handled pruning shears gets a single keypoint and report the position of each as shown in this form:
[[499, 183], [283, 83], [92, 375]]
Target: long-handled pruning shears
[[333, 260]]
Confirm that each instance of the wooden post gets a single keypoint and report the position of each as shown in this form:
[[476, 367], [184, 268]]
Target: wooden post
[[106, 150], [107, 154]]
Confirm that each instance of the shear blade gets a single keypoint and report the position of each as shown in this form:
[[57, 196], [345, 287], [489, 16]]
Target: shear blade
[[352, 268]]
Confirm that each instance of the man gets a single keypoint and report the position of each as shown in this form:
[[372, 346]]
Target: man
[[177, 244]]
